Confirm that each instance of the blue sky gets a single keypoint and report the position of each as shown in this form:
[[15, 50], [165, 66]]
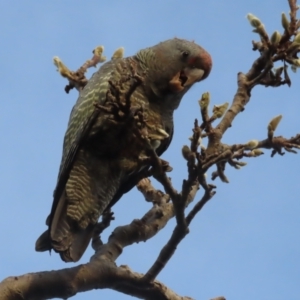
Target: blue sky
[[245, 242]]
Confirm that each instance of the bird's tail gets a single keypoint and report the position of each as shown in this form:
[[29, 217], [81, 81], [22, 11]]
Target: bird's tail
[[63, 236]]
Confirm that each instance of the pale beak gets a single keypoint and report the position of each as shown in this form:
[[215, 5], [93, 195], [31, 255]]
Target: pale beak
[[192, 75], [184, 78]]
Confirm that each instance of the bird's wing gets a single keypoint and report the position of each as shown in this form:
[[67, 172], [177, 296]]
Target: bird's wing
[[81, 120]]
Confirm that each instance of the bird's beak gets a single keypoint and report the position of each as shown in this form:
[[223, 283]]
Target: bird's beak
[[185, 78], [192, 75]]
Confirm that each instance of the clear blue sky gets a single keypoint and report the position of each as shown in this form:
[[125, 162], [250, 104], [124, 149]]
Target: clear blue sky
[[245, 242]]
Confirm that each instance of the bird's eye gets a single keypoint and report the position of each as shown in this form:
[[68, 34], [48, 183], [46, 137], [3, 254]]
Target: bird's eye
[[185, 54]]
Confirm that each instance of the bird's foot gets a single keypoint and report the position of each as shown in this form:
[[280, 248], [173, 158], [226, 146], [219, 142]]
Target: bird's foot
[[107, 217]]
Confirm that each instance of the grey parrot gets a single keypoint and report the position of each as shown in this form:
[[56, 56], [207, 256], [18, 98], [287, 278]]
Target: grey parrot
[[99, 160]]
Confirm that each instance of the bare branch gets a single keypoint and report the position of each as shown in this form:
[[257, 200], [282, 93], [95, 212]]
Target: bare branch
[[168, 250], [68, 282], [77, 79]]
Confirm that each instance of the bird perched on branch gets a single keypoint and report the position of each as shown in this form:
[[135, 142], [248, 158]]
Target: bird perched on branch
[[102, 157]]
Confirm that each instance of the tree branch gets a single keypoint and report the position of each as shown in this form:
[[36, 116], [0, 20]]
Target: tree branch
[[68, 282]]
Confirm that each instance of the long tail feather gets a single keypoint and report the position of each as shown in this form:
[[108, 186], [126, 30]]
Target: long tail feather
[[65, 237]]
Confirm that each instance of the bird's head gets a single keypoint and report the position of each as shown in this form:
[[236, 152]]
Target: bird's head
[[173, 66]]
